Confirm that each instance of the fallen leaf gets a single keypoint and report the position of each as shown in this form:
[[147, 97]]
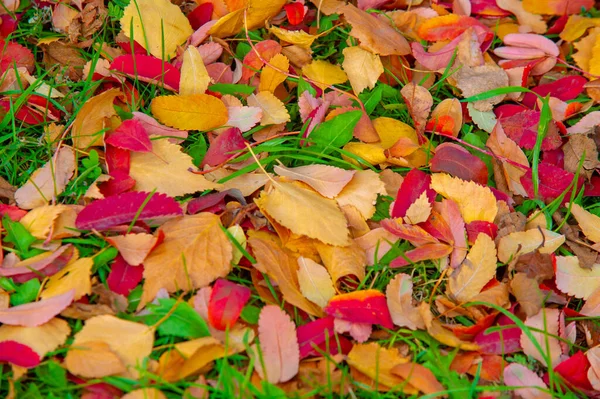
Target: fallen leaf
[[377, 363], [526, 19], [274, 73], [123, 277], [343, 263], [315, 282], [90, 122], [361, 192], [557, 7], [190, 112], [298, 37], [399, 294], [363, 306], [145, 393], [324, 74], [36, 313], [513, 245], [75, 276], [134, 248], [546, 322], [94, 359], [419, 377], [256, 12], [327, 180], [528, 294], [458, 162], [419, 103], [194, 76], [362, 67], [575, 280], [502, 145], [273, 110], [130, 135], [476, 80], [42, 339], [40, 221], [589, 223], [520, 376], [418, 211], [226, 303]]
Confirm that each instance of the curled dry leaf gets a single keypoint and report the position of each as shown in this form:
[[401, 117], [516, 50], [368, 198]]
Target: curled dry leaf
[[399, 299]]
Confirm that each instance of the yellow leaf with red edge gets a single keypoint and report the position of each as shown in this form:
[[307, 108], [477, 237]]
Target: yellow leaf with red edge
[[270, 76], [315, 282], [442, 334], [557, 7], [256, 12], [377, 363], [42, 339], [191, 112], [476, 270], [324, 73], [40, 221], [574, 280], [194, 76], [76, 275], [474, 201], [159, 26], [445, 27], [133, 247], [273, 110], [298, 37], [589, 223], [362, 67], [577, 26], [91, 119], [391, 130], [446, 117], [364, 306]]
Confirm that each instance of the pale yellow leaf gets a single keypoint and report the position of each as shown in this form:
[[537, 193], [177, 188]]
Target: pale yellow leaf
[[90, 122], [544, 329], [476, 270], [362, 192], [42, 339], [349, 261], [94, 359], [377, 362], [48, 181], [593, 374], [273, 110], [166, 169], [324, 74], [474, 201], [325, 179], [363, 68], [373, 153], [526, 19], [290, 205], [157, 25], [589, 223], [315, 282], [503, 146], [256, 11], [270, 76], [522, 242], [298, 37], [194, 253], [39, 221], [75, 276], [575, 280], [131, 342], [133, 247], [399, 300], [192, 112], [419, 210], [194, 76], [391, 130]]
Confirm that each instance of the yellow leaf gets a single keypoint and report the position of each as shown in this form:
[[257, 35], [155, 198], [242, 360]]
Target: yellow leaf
[[270, 77], [324, 179], [443, 335], [39, 221], [475, 202], [157, 25], [257, 12], [577, 26], [133, 247], [324, 73], [419, 210], [194, 76], [94, 359], [48, 181], [587, 56], [511, 246], [377, 362], [90, 122], [237, 232], [193, 112], [574, 280], [525, 18], [502, 145], [363, 68], [315, 282], [194, 253], [476, 270], [131, 342], [76, 275], [42, 339], [362, 192], [349, 261], [391, 130], [298, 37], [167, 170], [273, 109], [372, 153], [290, 204], [145, 393], [589, 223]]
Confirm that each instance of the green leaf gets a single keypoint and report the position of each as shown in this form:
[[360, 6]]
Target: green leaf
[[334, 133], [303, 85], [18, 235], [230, 88], [52, 373], [250, 314], [182, 322], [25, 293], [198, 150], [371, 99]]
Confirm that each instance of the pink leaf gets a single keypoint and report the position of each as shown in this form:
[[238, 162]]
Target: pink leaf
[[279, 346], [225, 146], [575, 370], [523, 127], [123, 208], [359, 331], [507, 340], [413, 185], [14, 213], [130, 135], [210, 52], [36, 313], [18, 354], [13, 54], [425, 252], [123, 277], [315, 333], [41, 268], [153, 128], [518, 375], [148, 69], [457, 161], [226, 302]]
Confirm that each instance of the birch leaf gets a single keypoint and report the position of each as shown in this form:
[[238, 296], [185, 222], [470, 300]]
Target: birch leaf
[[270, 76], [519, 243], [399, 299], [589, 223], [273, 110], [190, 112]]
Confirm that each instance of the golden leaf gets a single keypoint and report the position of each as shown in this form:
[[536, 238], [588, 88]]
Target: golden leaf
[[377, 362], [257, 12], [476, 270], [90, 122], [373, 153], [577, 26], [133, 247], [131, 342], [587, 55], [391, 130], [273, 109], [194, 76], [362, 192], [511, 246], [94, 359], [159, 26], [324, 73], [363, 68], [193, 112], [589, 223], [194, 253], [349, 261], [443, 335], [475, 202], [42, 339], [502, 145], [290, 204], [315, 282], [166, 169], [574, 280], [270, 77], [40, 221], [76, 275], [298, 37], [419, 210]]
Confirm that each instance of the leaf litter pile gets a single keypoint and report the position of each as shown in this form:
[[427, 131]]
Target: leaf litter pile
[[263, 198]]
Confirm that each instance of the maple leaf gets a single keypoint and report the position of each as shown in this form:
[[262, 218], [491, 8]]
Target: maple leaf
[[190, 112], [194, 253], [167, 170]]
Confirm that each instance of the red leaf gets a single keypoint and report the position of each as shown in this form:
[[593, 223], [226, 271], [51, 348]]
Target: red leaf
[[8, 25], [364, 306], [130, 135], [252, 63], [500, 342], [123, 277], [226, 302], [119, 183], [479, 226], [468, 333], [18, 354], [412, 187], [210, 202], [565, 89], [148, 69], [14, 213], [574, 370], [437, 226], [13, 54], [425, 252], [457, 161], [117, 158], [522, 128], [553, 182], [36, 313], [123, 208], [316, 333], [294, 12], [201, 15], [225, 146]]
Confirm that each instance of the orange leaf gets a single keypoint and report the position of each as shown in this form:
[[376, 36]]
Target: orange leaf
[[133, 247], [191, 112], [90, 121], [419, 377]]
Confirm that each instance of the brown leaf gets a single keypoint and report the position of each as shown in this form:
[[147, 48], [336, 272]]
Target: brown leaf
[[476, 80], [528, 294], [7, 190], [581, 146], [67, 57], [419, 103]]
